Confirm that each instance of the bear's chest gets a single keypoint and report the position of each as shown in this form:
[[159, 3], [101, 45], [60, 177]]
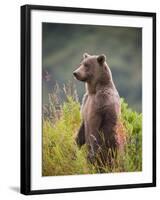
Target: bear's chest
[[90, 108]]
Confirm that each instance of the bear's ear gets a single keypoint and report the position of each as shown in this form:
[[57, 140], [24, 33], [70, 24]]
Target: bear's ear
[[85, 55], [101, 59]]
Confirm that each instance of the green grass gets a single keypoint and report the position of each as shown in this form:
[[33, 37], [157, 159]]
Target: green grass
[[61, 155]]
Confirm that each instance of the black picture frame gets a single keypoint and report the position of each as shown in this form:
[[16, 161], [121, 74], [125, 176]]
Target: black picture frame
[[26, 98]]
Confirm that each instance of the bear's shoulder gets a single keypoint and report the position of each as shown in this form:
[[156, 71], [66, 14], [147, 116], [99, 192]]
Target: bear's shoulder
[[107, 97]]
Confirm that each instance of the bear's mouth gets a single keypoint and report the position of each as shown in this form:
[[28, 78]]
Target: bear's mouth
[[77, 77]]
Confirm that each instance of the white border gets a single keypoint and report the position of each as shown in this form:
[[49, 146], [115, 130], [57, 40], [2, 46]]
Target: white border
[[37, 181]]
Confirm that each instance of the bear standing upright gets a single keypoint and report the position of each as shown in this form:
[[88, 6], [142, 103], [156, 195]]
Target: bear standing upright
[[100, 109]]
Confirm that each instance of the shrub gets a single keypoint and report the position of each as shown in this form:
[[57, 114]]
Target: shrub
[[61, 155]]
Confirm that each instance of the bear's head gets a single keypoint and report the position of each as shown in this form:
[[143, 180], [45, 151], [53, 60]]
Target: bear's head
[[93, 68]]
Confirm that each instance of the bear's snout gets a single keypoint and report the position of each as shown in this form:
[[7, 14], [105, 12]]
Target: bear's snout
[[76, 74], [80, 74]]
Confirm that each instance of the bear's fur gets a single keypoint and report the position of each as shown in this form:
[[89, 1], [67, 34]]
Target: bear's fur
[[100, 109]]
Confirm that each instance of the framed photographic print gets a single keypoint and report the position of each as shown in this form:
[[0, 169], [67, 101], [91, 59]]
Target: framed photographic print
[[88, 99]]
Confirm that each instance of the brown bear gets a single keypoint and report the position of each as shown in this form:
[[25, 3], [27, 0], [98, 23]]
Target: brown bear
[[100, 109]]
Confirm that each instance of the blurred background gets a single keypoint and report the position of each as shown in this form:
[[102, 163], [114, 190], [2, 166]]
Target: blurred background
[[63, 46]]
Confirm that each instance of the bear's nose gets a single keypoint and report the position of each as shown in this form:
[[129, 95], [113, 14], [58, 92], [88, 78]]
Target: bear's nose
[[74, 73]]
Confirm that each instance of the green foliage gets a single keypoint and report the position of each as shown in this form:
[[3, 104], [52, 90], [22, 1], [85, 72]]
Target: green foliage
[[133, 151], [61, 155]]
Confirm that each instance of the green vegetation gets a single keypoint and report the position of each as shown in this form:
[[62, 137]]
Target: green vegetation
[[61, 155]]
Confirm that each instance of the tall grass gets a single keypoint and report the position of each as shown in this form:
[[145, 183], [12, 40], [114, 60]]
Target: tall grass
[[61, 155]]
